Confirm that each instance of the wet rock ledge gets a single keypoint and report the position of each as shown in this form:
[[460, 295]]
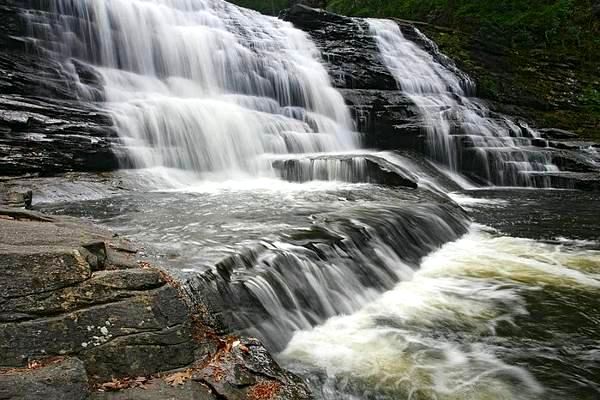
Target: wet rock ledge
[[45, 129], [82, 318]]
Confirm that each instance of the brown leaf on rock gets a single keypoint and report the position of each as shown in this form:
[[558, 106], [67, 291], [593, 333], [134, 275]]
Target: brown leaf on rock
[[114, 385], [123, 383], [34, 364], [264, 390], [244, 348], [179, 378], [141, 382]]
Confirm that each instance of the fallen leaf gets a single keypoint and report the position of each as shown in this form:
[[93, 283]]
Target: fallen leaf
[[34, 365], [244, 349], [179, 378], [113, 385], [141, 382]]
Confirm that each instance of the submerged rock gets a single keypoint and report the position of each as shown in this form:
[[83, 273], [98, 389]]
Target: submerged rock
[[74, 290]]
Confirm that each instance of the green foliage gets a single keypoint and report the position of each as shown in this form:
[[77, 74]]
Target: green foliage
[[269, 7], [591, 98], [563, 24]]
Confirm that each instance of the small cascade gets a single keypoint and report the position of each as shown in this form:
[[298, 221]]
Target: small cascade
[[461, 132], [198, 85], [362, 168], [343, 261]]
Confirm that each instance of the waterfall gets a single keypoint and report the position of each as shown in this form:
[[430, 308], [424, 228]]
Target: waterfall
[[206, 87], [461, 132], [198, 85]]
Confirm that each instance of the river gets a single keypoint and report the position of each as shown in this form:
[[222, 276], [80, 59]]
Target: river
[[454, 274]]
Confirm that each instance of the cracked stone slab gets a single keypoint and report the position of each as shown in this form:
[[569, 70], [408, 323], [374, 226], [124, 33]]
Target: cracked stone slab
[[62, 379]]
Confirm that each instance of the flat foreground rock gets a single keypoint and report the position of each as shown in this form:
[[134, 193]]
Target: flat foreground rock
[[74, 292]]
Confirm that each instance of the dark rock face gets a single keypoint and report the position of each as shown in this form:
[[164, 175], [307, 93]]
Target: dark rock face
[[44, 129], [554, 133], [388, 119], [346, 46], [73, 290]]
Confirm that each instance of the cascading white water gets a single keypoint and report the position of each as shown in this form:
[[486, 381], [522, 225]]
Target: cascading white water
[[200, 85], [401, 343], [208, 87], [454, 122]]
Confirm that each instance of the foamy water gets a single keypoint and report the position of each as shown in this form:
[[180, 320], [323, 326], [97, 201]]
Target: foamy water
[[434, 336]]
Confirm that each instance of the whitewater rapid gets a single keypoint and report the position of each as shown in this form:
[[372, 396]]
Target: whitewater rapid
[[445, 332]]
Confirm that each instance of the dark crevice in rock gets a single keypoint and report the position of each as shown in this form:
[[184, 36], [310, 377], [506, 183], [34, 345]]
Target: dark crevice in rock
[[213, 390], [22, 215], [32, 316]]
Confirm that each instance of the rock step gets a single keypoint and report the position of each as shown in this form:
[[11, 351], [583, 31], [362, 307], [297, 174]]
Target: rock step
[[344, 168], [587, 181]]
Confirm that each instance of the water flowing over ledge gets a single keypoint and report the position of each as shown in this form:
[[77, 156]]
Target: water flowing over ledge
[[461, 134], [339, 263], [198, 85], [454, 330]]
